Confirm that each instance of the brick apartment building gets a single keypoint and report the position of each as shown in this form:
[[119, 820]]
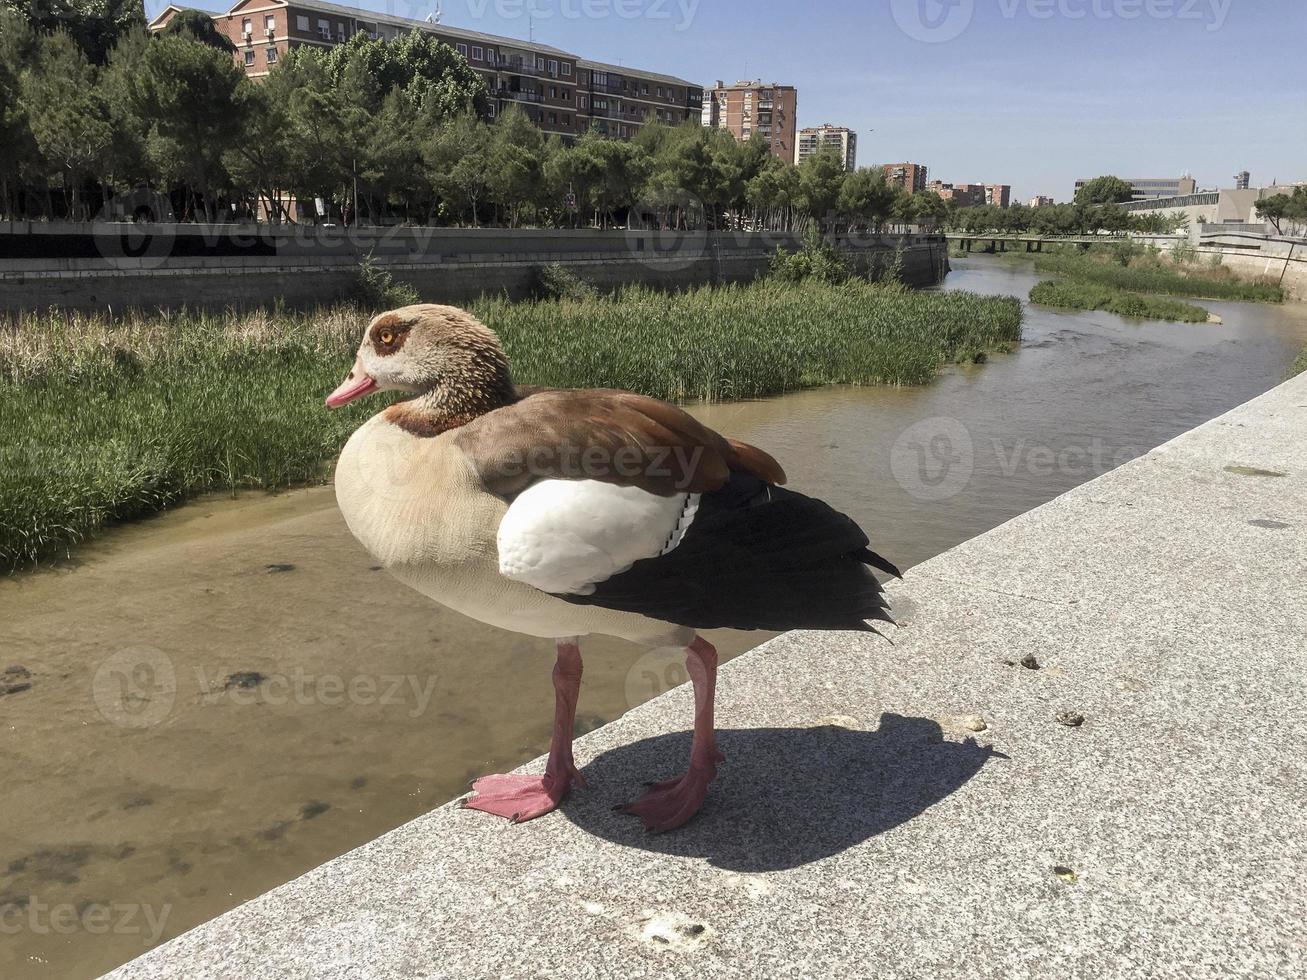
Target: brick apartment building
[[1041, 201], [561, 92], [972, 195], [910, 176], [966, 195], [842, 139], [748, 108]]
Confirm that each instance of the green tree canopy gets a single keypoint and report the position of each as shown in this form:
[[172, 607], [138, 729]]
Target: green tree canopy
[[1279, 208], [192, 95], [67, 114], [95, 25], [821, 177], [199, 26], [1105, 190]]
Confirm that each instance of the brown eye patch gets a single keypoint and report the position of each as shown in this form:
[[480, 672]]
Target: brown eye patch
[[388, 334]]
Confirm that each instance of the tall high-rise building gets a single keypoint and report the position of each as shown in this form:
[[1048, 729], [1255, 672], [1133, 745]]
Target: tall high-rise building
[[999, 195], [1242, 179], [910, 176], [840, 138], [561, 92], [748, 109]]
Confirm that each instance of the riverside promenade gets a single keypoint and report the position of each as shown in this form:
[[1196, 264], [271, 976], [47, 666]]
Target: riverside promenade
[[1084, 754]]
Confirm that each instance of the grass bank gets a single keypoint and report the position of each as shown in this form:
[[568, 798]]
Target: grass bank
[[1075, 294], [107, 419], [1140, 270]]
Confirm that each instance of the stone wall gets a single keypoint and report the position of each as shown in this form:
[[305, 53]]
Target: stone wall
[[177, 267]]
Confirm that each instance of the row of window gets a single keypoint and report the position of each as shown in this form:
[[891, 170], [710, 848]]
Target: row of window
[[269, 25], [635, 88], [270, 56], [476, 53]]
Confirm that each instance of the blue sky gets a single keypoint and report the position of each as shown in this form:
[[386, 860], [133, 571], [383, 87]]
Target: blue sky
[[1033, 93]]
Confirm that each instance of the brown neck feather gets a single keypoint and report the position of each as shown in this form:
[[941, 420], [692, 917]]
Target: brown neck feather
[[449, 407]]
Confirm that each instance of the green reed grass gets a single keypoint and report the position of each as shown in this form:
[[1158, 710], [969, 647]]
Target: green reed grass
[[104, 419], [1147, 274], [1075, 294]]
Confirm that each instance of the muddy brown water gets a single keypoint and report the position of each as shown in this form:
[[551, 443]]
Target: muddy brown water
[[229, 694]]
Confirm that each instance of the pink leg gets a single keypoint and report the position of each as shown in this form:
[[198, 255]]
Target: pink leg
[[519, 797], [669, 804]]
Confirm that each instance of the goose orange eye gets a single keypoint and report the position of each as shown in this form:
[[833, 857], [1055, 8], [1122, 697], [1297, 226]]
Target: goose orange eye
[[386, 337]]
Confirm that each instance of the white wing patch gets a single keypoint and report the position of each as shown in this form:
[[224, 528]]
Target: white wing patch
[[563, 536]]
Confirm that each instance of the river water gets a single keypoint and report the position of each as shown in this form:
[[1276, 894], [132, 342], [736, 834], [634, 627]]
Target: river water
[[229, 694]]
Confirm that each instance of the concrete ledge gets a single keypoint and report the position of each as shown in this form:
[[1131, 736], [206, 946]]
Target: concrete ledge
[[861, 827]]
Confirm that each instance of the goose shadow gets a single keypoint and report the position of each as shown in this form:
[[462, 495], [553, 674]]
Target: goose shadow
[[784, 797]]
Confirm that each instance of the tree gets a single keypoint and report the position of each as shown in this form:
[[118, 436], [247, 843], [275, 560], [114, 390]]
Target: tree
[[94, 25], [457, 159], [516, 165], [192, 94], [67, 115], [264, 163], [773, 194], [198, 26], [866, 197], [821, 177], [1279, 208], [1105, 190], [17, 47], [932, 210]]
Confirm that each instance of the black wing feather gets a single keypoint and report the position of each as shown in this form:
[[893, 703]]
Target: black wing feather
[[756, 556]]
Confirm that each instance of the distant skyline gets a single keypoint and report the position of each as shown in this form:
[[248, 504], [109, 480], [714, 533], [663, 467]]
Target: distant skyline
[[1033, 93]]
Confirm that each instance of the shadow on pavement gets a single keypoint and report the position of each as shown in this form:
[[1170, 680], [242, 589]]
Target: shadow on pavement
[[784, 796]]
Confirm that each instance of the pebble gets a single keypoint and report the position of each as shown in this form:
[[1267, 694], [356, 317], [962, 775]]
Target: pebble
[[1072, 719]]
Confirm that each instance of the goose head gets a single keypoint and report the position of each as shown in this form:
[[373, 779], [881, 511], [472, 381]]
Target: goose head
[[443, 358]]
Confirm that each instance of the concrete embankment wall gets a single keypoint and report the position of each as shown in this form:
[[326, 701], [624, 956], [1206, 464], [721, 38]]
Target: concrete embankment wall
[[1250, 256], [1082, 756], [1253, 256], [168, 266]]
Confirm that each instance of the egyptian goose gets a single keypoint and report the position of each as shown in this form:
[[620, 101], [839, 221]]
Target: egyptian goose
[[559, 513]]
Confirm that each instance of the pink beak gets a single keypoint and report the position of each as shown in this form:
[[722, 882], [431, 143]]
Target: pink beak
[[356, 385]]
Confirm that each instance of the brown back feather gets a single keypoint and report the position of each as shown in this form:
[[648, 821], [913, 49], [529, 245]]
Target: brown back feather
[[603, 434]]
